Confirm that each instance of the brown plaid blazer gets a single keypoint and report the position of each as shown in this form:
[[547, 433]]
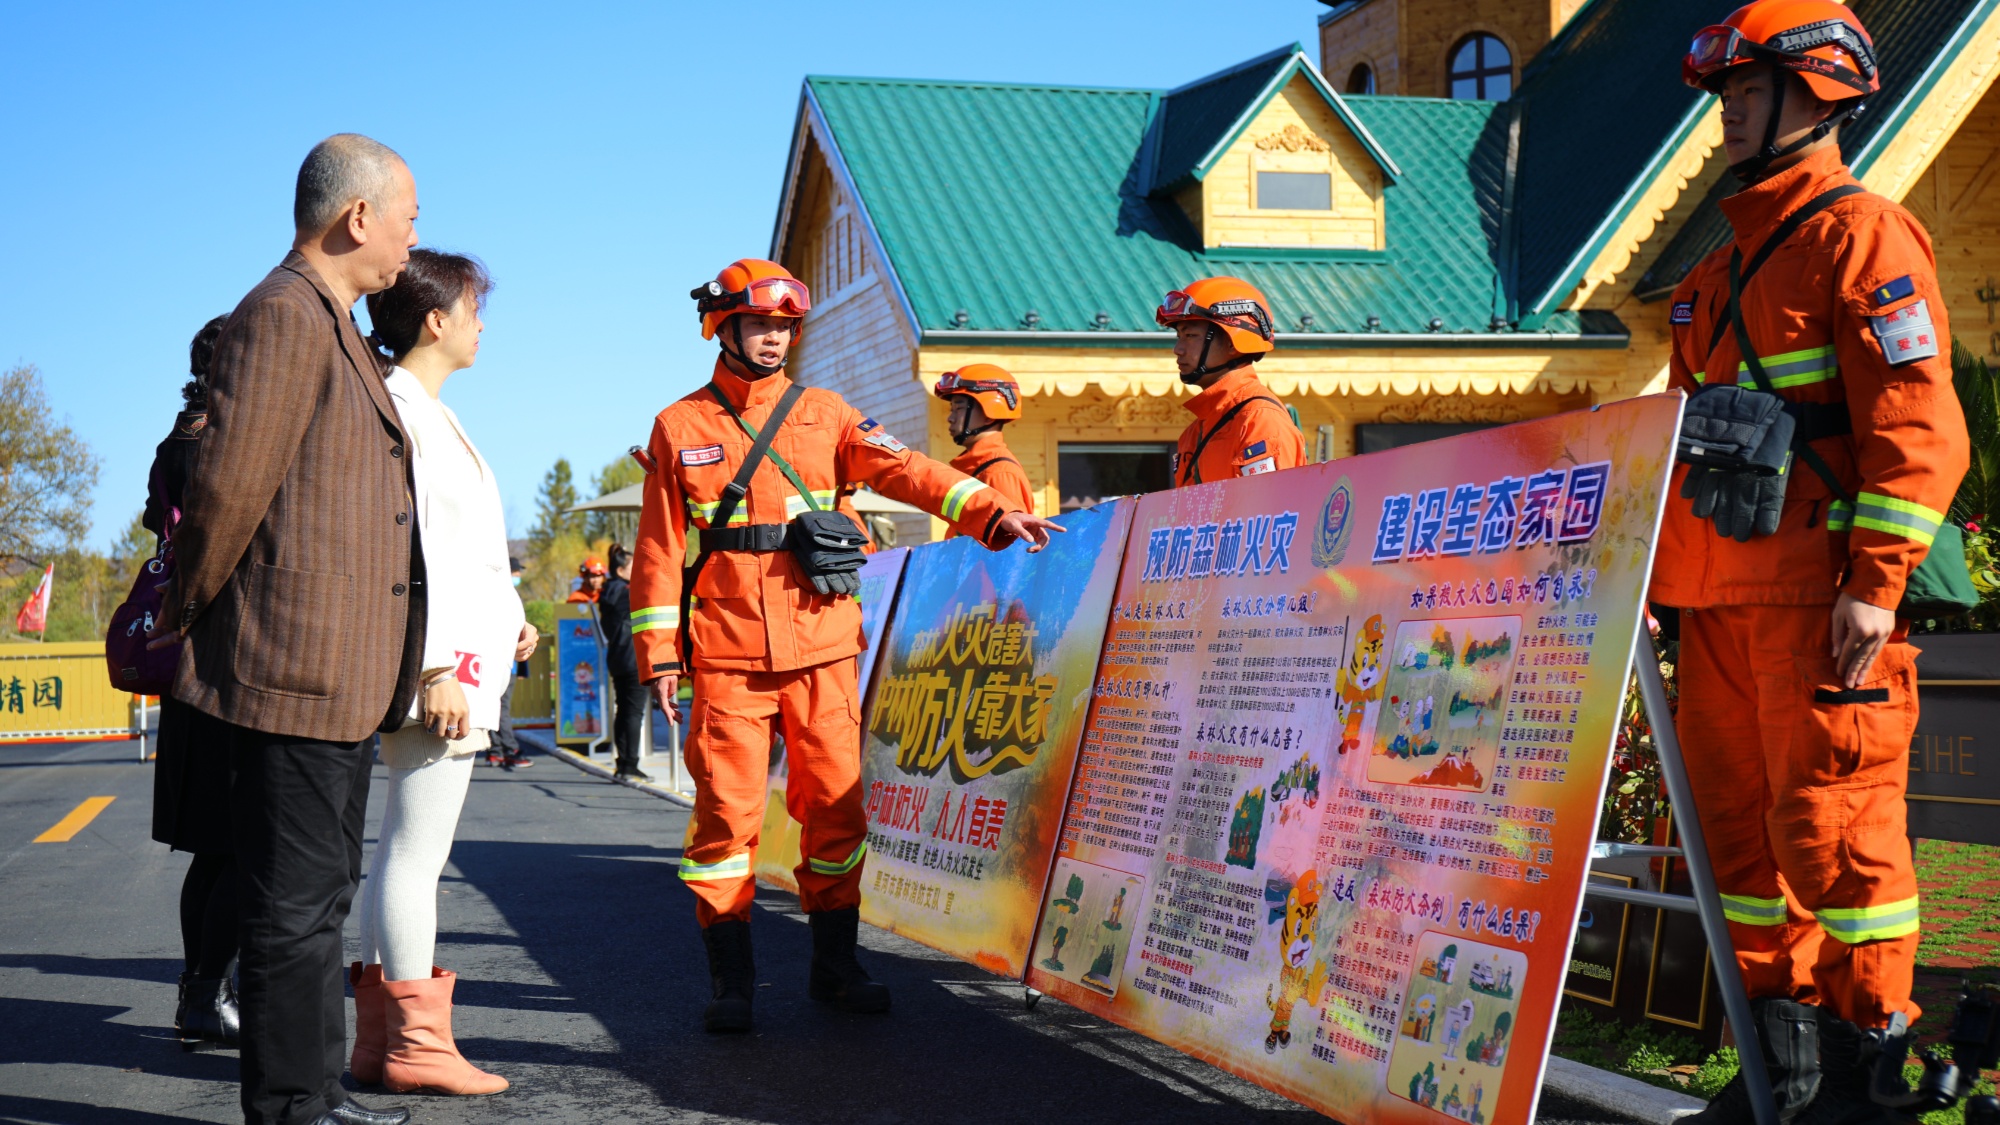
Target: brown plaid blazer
[[294, 566]]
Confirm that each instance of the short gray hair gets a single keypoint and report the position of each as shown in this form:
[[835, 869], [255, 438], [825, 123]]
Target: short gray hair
[[339, 170]]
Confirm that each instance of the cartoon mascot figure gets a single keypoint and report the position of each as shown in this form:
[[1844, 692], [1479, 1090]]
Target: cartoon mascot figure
[[1297, 980], [1361, 682]]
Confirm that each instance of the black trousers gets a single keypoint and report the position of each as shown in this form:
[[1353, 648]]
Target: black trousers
[[503, 734], [631, 699], [299, 807]]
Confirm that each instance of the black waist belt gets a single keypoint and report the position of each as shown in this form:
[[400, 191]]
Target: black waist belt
[[749, 537], [1818, 420]]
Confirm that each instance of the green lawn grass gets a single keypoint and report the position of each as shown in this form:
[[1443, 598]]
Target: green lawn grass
[[1960, 889]]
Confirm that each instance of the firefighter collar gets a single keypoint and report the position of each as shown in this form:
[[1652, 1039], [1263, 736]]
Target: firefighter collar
[[747, 394], [1232, 388], [1754, 211]]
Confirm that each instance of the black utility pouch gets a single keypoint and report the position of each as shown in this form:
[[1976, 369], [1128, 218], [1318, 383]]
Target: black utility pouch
[[828, 547], [1738, 430]]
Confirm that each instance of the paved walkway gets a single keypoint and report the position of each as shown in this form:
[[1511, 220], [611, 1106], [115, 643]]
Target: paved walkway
[[582, 982]]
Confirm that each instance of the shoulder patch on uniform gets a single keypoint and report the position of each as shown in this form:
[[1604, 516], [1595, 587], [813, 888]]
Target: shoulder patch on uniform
[[1683, 311], [1259, 466], [702, 455], [1906, 335], [887, 441], [866, 424], [1254, 450], [1894, 291]]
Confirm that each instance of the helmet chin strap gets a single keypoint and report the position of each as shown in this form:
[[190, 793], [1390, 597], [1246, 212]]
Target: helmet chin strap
[[1758, 166], [1201, 368], [762, 370], [966, 435]]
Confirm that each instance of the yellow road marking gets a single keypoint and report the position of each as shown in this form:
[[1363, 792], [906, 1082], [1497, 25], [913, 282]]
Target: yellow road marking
[[79, 818]]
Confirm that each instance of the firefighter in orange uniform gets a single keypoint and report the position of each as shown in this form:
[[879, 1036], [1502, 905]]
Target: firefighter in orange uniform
[[772, 634], [1221, 325], [589, 581], [984, 397], [1788, 553]]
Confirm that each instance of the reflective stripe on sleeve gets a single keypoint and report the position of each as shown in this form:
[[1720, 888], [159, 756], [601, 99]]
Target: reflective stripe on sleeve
[[1794, 369], [657, 617], [1747, 911], [1854, 925], [1840, 516], [795, 505], [954, 500], [829, 867], [735, 867], [1891, 516]]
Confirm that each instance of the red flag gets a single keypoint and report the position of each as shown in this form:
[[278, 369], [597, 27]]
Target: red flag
[[34, 615]]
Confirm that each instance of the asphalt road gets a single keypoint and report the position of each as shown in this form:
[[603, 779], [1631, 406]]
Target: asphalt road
[[582, 981]]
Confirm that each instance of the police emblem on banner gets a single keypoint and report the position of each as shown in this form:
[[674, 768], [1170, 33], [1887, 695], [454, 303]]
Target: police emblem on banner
[[1336, 525]]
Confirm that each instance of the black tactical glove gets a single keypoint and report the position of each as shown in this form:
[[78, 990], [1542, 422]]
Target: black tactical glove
[[1736, 428], [828, 547], [1744, 505]]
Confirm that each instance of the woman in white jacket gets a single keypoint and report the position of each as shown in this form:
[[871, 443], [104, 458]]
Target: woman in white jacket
[[429, 321]]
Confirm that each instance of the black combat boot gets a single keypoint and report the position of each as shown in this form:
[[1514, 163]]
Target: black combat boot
[[732, 975], [181, 1008], [837, 978], [211, 1018], [1788, 1032], [1848, 1068]]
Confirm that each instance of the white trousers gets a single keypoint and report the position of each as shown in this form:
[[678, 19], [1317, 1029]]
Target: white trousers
[[399, 900]]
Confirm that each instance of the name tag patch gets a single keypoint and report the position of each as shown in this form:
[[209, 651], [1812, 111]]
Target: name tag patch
[[1259, 466], [1895, 291], [1683, 313], [1906, 335], [887, 441], [704, 455]]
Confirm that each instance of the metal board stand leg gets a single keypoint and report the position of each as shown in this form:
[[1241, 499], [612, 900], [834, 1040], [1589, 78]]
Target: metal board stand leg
[[1705, 903]]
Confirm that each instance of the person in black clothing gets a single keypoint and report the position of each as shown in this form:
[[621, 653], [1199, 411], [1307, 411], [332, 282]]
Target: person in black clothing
[[506, 750], [614, 621], [191, 765]]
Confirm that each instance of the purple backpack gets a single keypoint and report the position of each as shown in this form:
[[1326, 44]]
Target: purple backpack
[[133, 666]]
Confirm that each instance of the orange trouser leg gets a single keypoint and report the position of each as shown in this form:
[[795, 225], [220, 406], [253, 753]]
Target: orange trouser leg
[[1776, 941], [729, 757], [1834, 763], [822, 716]]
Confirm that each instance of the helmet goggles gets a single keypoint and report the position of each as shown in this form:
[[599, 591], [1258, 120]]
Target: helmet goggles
[[1721, 46], [774, 296], [1241, 313], [952, 383]]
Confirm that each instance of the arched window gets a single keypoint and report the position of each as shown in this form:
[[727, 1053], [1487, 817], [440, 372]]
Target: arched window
[[1360, 80], [1481, 68]]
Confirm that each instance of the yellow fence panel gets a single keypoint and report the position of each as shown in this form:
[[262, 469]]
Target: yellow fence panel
[[59, 691]]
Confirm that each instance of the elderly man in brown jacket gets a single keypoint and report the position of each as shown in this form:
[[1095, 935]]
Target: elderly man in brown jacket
[[298, 592]]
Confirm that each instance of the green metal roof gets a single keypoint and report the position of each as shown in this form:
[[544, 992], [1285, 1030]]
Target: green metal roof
[[1000, 199], [1915, 40], [1602, 106], [1197, 123]]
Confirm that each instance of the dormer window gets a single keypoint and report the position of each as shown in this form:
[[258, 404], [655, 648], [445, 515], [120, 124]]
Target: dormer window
[[1481, 69], [1294, 191]]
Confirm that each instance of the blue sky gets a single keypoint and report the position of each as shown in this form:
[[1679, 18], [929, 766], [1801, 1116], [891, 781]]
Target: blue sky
[[602, 159]]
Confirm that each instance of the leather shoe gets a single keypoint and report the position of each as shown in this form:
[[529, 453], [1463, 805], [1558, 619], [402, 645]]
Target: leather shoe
[[351, 1112]]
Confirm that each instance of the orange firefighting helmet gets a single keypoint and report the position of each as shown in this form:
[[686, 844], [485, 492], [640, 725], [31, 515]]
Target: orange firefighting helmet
[[592, 565], [751, 285], [1230, 303], [989, 385], [1820, 40]]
